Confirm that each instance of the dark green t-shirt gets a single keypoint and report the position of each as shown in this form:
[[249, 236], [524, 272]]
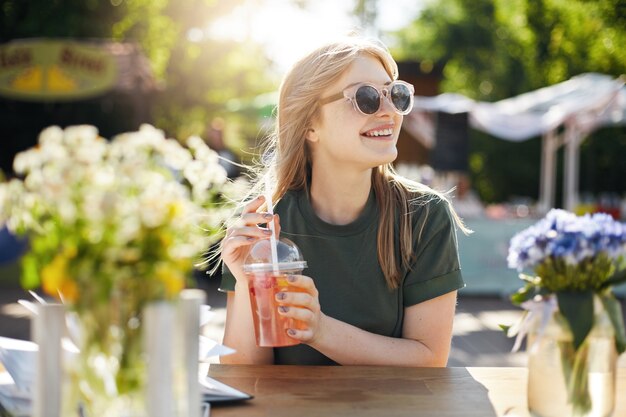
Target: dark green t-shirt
[[343, 262]]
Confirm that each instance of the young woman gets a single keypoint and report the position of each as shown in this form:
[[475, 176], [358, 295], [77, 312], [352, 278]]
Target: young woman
[[383, 268]]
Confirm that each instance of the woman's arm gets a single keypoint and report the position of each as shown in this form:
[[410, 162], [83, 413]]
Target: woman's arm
[[426, 332], [239, 328]]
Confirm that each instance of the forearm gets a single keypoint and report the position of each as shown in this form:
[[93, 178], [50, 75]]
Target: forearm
[[239, 331], [349, 345]]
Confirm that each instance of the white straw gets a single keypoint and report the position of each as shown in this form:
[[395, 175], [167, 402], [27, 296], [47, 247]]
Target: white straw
[[270, 210]]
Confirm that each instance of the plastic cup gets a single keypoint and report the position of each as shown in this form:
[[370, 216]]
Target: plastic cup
[[265, 280]]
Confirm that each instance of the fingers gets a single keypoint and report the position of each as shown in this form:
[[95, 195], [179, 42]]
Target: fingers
[[296, 298], [248, 223], [277, 225], [303, 307], [305, 335], [297, 313], [305, 321], [231, 243], [249, 231], [254, 205], [250, 219], [249, 213], [304, 282], [303, 324], [246, 231]]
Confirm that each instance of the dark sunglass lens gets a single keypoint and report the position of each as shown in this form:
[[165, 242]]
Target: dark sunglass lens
[[401, 97], [368, 99]]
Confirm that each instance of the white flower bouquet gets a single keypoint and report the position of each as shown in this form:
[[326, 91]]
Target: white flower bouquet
[[114, 225]]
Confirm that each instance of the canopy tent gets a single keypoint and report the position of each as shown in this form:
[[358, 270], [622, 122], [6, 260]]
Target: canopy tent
[[580, 105]]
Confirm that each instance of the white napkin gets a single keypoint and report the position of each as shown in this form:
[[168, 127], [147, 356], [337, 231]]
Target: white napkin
[[210, 348], [15, 401]]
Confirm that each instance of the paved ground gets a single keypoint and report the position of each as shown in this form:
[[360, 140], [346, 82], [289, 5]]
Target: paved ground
[[477, 340]]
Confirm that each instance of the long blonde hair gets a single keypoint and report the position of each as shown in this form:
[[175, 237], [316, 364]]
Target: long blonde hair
[[286, 161]]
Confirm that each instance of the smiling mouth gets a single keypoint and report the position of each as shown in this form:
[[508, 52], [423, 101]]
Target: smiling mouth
[[376, 133]]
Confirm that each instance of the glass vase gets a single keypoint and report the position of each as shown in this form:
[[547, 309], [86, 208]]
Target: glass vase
[[107, 375], [563, 382], [134, 360]]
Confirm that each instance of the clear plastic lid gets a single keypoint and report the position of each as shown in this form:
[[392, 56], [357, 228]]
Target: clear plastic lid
[[260, 257]]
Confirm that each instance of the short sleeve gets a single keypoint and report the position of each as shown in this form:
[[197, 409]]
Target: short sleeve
[[436, 270], [228, 280]]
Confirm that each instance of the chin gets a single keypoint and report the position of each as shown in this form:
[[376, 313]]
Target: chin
[[386, 158]]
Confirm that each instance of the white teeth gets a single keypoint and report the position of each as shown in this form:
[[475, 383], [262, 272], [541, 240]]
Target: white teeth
[[382, 132]]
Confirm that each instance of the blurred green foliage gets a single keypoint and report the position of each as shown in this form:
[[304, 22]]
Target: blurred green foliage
[[491, 49], [197, 75], [495, 49]]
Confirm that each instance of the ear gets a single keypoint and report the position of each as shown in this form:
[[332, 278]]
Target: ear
[[311, 135]]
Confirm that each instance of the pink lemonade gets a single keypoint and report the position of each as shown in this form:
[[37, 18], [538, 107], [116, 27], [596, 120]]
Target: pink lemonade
[[270, 328]]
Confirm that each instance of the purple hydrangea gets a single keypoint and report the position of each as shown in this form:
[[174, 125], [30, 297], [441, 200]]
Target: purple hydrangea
[[564, 235]]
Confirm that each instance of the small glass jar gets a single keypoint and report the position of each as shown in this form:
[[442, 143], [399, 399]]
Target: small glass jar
[[563, 382]]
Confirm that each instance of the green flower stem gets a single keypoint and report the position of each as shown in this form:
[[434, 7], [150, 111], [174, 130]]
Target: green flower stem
[[577, 385]]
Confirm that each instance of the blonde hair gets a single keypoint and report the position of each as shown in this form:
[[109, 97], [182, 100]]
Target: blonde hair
[[286, 160]]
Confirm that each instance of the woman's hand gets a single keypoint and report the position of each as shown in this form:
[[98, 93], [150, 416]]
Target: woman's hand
[[304, 306], [236, 243]]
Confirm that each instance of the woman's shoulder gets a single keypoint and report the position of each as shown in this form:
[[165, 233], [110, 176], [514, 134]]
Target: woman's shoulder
[[289, 201], [433, 205], [420, 196], [429, 209], [290, 197], [430, 199], [435, 212]]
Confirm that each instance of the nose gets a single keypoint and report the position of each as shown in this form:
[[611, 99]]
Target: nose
[[386, 106]]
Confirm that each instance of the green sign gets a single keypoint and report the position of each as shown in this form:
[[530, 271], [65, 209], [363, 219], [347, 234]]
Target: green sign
[[53, 70]]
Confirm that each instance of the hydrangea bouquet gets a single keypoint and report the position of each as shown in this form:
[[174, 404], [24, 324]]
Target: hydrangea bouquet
[[113, 225], [574, 259]]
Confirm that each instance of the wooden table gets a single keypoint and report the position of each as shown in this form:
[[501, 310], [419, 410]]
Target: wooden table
[[304, 391]]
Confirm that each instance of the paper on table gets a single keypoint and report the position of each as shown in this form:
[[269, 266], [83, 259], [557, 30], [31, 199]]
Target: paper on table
[[215, 391], [210, 348], [19, 358], [13, 401], [205, 314]]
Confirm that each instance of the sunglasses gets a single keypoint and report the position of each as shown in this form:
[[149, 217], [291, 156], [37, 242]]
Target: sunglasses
[[367, 98]]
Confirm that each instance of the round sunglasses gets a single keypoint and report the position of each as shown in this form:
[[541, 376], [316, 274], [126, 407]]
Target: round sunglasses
[[367, 98]]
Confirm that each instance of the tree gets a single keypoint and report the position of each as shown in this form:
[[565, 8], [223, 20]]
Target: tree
[[494, 49], [198, 77]]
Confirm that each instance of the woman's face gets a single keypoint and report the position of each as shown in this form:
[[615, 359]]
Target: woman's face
[[344, 135]]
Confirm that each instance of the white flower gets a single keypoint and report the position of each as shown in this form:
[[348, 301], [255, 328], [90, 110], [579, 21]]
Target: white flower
[[103, 199], [77, 136], [27, 161], [92, 152], [52, 135], [174, 155]]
